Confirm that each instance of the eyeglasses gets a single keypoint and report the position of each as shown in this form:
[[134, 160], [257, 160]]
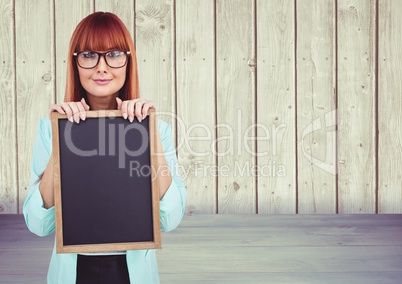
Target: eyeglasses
[[88, 59]]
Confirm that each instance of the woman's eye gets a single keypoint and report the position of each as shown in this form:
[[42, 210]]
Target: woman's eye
[[114, 53], [88, 54]]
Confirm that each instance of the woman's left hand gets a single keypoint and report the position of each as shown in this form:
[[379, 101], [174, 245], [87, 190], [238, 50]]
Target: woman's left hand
[[137, 107]]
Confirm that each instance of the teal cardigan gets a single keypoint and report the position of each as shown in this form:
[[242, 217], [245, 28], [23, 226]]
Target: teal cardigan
[[142, 265]]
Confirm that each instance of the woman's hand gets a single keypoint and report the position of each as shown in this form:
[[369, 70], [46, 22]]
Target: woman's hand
[[138, 108], [74, 110]]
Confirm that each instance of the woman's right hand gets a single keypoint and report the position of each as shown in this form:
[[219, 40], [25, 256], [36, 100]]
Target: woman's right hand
[[74, 110]]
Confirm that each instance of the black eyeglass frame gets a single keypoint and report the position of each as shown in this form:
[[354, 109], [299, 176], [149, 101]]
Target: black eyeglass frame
[[100, 54]]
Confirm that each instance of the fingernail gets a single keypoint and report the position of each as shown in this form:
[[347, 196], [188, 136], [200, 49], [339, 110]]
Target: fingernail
[[125, 115], [131, 119], [71, 119], [83, 117], [144, 116], [77, 120], [139, 120]]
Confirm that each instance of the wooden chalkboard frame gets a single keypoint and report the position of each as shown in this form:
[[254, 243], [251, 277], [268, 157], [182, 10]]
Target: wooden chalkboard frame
[[155, 243]]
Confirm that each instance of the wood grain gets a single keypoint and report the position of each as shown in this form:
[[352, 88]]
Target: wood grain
[[389, 108], [8, 149], [35, 78], [356, 106], [283, 259], [244, 248], [236, 106], [67, 16], [180, 45], [195, 71], [316, 102], [284, 278], [276, 106], [155, 55]]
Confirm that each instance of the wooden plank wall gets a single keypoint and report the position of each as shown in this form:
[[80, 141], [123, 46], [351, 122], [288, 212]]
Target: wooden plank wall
[[35, 84], [276, 106], [8, 149], [316, 98], [196, 116], [389, 107], [356, 106], [235, 102]]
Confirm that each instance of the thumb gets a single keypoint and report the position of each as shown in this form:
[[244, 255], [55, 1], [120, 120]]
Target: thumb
[[119, 102], [84, 103]]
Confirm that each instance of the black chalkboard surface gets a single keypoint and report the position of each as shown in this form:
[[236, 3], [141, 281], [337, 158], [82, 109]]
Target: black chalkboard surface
[[106, 195]]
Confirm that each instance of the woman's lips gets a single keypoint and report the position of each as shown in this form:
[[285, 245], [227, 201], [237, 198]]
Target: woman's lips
[[102, 81]]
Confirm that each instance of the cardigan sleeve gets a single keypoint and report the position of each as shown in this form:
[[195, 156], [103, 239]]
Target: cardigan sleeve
[[39, 220], [172, 205]]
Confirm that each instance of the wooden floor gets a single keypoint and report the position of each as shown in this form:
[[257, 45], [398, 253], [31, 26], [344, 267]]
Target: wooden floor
[[344, 249]]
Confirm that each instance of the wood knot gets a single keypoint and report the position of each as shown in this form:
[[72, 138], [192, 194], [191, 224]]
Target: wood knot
[[236, 186], [251, 62], [47, 77]]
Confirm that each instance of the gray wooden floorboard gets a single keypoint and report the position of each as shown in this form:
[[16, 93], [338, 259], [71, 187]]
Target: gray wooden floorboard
[[244, 249]]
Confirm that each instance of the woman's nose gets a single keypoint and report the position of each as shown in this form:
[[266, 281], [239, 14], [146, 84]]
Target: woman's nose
[[102, 65]]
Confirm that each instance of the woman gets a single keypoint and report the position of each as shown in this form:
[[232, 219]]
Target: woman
[[101, 75]]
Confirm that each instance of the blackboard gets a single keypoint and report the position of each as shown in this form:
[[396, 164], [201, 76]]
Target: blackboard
[[106, 194]]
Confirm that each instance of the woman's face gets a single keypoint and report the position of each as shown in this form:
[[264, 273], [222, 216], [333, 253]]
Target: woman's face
[[102, 81]]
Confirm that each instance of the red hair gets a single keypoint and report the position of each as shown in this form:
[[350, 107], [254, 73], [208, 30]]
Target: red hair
[[101, 31]]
